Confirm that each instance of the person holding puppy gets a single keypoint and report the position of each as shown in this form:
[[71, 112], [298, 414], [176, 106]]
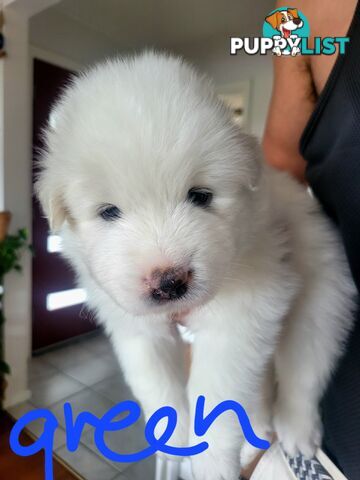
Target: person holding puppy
[[313, 132]]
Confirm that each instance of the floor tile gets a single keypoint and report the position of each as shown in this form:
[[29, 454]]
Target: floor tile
[[114, 388], [112, 359], [36, 428], [129, 440], [87, 464], [67, 356], [38, 368], [110, 353], [49, 390], [99, 344], [144, 470], [92, 371], [20, 410], [86, 400]]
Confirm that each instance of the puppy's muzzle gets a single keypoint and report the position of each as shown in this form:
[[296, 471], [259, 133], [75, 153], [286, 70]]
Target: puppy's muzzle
[[170, 284]]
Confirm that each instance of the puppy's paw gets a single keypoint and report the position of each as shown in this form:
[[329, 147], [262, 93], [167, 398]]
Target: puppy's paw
[[297, 431], [214, 466]]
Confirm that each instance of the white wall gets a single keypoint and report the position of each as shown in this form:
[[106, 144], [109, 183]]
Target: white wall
[[213, 57], [61, 35]]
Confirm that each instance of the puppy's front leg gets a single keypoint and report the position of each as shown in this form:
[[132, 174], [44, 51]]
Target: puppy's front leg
[[229, 362], [153, 367]]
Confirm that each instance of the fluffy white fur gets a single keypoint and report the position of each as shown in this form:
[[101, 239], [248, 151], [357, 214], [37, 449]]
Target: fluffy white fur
[[270, 297]]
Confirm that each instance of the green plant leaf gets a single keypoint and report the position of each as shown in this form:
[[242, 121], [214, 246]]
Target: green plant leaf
[[10, 251], [23, 234], [11, 248], [4, 367]]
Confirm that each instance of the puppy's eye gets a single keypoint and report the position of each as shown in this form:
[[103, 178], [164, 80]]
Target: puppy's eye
[[200, 197], [109, 212]]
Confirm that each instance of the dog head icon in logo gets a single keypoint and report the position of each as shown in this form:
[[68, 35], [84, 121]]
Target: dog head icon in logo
[[285, 21], [289, 24]]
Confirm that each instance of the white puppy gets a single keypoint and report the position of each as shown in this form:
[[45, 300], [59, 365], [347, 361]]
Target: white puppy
[[165, 208]]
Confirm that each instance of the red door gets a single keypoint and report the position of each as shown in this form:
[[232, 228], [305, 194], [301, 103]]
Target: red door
[[57, 309]]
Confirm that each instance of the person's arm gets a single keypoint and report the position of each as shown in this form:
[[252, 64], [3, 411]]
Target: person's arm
[[292, 103]]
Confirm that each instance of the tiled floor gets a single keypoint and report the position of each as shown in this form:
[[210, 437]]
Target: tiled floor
[[87, 375]]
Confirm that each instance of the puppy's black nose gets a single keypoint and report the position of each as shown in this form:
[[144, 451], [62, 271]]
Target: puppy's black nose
[[297, 21], [171, 287]]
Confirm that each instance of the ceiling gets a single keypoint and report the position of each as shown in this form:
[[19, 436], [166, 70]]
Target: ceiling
[[166, 22]]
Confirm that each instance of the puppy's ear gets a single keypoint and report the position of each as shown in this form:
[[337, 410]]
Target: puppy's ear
[[273, 20], [51, 201], [294, 12]]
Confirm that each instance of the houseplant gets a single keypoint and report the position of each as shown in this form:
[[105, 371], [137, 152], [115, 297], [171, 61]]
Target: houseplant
[[11, 247]]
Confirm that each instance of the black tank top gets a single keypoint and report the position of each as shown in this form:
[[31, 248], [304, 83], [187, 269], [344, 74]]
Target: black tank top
[[331, 146]]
